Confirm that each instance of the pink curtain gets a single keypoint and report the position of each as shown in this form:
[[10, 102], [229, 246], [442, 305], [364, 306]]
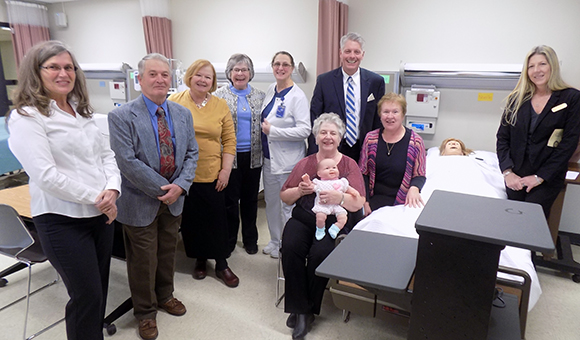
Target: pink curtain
[[158, 35], [26, 36], [332, 25]]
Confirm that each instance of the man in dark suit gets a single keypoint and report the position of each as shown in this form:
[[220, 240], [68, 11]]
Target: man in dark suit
[[331, 95], [156, 151]]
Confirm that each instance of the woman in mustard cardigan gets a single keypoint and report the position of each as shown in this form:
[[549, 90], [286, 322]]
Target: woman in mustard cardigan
[[204, 227]]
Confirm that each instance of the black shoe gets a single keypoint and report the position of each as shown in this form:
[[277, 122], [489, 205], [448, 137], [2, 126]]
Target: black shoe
[[200, 270], [303, 322], [251, 249], [291, 321]]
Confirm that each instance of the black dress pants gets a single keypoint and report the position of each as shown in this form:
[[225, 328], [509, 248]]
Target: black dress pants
[[242, 199], [80, 251], [301, 255]]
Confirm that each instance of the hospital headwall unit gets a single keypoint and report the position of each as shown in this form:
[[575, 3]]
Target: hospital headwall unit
[[420, 83]]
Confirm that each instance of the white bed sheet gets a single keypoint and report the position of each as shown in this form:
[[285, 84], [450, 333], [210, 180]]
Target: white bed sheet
[[476, 174]]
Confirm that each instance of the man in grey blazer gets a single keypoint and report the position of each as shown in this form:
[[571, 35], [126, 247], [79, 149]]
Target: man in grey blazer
[[330, 95], [155, 178]]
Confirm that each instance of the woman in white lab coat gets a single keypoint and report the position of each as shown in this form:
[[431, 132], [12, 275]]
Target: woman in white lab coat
[[285, 127]]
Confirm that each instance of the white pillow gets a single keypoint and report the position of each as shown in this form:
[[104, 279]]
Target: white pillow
[[433, 152]]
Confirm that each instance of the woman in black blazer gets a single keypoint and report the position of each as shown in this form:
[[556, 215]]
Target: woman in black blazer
[[539, 131]]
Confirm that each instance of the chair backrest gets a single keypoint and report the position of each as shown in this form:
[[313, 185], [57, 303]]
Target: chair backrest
[[14, 236]]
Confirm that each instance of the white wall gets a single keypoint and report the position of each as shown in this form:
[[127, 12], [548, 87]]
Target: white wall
[[443, 31], [451, 31], [216, 29], [112, 31], [3, 12], [103, 31]]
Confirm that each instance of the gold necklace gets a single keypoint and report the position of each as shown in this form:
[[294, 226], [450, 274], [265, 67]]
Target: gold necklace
[[390, 148]]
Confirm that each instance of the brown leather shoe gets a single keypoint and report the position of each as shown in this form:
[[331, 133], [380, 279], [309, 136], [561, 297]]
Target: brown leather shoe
[[200, 270], [174, 307], [148, 329], [228, 277]]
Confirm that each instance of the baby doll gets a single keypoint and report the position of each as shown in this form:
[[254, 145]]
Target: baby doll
[[328, 173]]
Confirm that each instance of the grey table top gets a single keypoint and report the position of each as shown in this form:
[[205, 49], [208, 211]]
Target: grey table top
[[490, 220], [374, 260]]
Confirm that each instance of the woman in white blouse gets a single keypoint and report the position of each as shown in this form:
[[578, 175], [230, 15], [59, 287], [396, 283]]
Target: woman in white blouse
[[285, 127], [74, 179]]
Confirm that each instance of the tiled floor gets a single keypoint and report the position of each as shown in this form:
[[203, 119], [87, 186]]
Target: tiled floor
[[248, 312]]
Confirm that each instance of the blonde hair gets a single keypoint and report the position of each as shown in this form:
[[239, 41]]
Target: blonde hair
[[525, 88], [31, 91], [195, 67], [464, 149], [393, 98]]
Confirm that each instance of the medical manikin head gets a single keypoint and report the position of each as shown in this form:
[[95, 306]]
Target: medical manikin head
[[453, 147]]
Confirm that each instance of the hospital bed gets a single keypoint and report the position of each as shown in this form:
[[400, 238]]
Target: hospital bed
[[477, 174]]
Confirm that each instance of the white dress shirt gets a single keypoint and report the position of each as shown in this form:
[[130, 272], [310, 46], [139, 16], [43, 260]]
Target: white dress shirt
[[67, 159]]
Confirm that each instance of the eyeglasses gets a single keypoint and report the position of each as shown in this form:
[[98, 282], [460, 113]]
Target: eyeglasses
[[284, 65], [58, 68], [243, 70]]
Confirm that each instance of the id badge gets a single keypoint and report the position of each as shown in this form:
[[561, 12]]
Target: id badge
[[280, 111]]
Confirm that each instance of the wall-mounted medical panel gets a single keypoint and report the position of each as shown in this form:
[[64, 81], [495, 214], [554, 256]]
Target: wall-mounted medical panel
[[461, 76], [422, 108], [117, 90], [421, 124], [423, 101], [391, 80], [108, 85]]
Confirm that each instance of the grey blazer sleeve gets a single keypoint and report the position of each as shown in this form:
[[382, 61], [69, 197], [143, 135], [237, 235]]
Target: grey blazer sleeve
[[129, 135]]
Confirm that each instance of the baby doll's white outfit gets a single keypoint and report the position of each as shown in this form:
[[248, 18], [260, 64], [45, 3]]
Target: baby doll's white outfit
[[324, 185]]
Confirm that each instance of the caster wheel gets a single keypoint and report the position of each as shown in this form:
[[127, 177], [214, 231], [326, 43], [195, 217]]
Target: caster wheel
[[3, 282], [576, 278], [111, 329], [346, 316]]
